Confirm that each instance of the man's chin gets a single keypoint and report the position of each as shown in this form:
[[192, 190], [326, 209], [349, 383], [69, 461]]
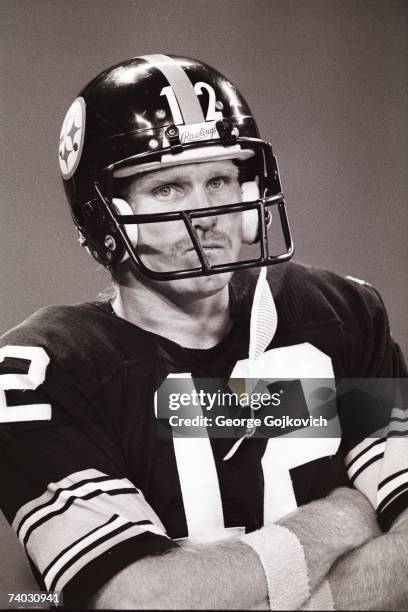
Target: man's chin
[[200, 286]]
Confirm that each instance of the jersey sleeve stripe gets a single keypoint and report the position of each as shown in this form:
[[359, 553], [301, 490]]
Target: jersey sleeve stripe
[[395, 434], [53, 499], [62, 532], [67, 497], [399, 413], [61, 554], [389, 478], [365, 466], [89, 544], [373, 451], [391, 487], [95, 549], [367, 481], [26, 532], [67, 483], [69, 526], [399, 430], [399, 492], [369, 444]]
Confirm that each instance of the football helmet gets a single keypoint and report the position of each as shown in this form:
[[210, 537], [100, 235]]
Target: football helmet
[[151, 112]]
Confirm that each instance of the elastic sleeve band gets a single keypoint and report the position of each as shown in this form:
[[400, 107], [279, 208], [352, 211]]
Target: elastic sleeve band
[[284, 563]]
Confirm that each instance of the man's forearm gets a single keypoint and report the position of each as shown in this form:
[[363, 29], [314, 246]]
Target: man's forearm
[[229, 574], [224, 575], [374, 576]]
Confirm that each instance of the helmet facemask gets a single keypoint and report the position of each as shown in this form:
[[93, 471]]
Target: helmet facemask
[[260, 194]]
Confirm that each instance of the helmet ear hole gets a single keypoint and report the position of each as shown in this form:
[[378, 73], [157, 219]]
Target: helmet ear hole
[[123, 208]]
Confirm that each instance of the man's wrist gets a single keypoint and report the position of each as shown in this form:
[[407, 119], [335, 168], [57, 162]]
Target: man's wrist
[[283, 560]]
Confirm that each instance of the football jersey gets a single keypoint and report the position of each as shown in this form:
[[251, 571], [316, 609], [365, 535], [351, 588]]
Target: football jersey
[[88, 484]]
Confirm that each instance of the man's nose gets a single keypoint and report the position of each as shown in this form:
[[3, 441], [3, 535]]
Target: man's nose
[[201, 199]]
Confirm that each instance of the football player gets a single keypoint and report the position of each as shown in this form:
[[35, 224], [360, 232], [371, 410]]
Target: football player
[[173, 190]]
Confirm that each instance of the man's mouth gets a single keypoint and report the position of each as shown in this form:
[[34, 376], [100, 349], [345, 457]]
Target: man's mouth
[[208, 247]]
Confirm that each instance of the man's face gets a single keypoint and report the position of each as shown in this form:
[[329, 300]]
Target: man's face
[[167, 246]]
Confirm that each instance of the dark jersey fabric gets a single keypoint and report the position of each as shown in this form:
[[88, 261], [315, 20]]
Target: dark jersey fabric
[[94, 488]]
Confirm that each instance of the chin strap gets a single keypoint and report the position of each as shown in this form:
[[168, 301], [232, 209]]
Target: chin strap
[[264, 320], [263, 324]]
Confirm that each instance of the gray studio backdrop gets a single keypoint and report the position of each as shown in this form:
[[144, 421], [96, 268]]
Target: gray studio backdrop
[[327, 82]]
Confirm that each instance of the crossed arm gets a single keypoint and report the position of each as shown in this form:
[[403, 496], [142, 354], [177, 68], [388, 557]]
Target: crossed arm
[[373, 576], [340, 539]]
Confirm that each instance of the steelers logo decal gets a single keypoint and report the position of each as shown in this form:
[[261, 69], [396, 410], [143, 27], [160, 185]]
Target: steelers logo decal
[[72, 138]]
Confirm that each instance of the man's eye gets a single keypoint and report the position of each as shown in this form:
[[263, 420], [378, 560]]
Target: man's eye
[[165, 192], [217, 182]]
